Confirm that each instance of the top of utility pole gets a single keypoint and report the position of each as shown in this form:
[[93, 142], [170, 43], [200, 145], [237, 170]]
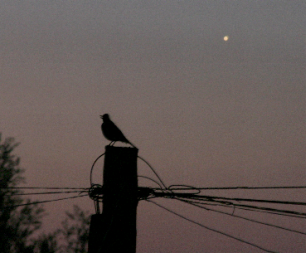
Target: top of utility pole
[[115, 229]]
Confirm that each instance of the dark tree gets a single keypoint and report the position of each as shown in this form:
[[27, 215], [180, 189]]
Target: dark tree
[[48, 243], [17, 223], [72, 237], [75, 231], [20, 219]]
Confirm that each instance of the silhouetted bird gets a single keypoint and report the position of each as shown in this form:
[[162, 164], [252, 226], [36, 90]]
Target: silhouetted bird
[[112, 132]]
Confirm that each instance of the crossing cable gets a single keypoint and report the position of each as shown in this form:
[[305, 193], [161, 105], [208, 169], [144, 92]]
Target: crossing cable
[[250, 187], [211, 229], [45, 201], [151, 180], [250, 200], [41, 193], [172, 187], [247, 207], [250, 208], [92, 167], [161, 181], [45, 188], [238, 216], [232, 201]]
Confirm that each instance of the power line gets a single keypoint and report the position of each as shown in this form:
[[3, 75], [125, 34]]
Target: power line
[[211, 229], [47, 188], [193, 196], [153, 171], [272, 211], [262, 209], [92, 167], [42, 193], [250, 188], [248, 208], [45, 201], [232, 201], [240, 217], [250, 200], [151, 180], [175, 189]]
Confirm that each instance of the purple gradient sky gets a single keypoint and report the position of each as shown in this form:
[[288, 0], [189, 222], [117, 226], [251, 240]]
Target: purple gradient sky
[[202, 111]]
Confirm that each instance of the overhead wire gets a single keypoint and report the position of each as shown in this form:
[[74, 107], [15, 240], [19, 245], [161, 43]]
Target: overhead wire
[[46, 188], [249, 208], [286, 213], [191, 198], [276, 211], [42, 193], [240, 217], [156, 174], [183, 187], [46, 201], [233, 201], [151, 180], [211, 229], [251, 187], [200, 201], [251, 200], [93, 165], [182, 193]]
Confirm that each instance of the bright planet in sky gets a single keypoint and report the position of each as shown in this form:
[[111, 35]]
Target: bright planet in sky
[[225, 38]]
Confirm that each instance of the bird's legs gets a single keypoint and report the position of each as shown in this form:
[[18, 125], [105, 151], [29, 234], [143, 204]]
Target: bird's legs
[[111, 143]]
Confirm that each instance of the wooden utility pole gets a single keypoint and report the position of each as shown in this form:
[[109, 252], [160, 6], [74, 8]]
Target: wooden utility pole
[[115, 229]]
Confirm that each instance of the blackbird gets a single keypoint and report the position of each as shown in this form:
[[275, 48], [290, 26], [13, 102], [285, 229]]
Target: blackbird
[[112, 132]]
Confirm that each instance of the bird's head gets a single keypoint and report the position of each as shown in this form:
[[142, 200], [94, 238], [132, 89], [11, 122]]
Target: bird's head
[[104, 117]]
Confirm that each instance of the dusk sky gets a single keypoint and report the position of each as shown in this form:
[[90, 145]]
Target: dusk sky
[[203, 111]]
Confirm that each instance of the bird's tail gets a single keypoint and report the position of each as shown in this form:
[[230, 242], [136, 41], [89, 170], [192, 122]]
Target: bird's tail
[[132, 144]]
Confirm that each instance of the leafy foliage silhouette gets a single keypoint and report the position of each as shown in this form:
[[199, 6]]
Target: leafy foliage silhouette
[[20, 226], [17, 225]]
